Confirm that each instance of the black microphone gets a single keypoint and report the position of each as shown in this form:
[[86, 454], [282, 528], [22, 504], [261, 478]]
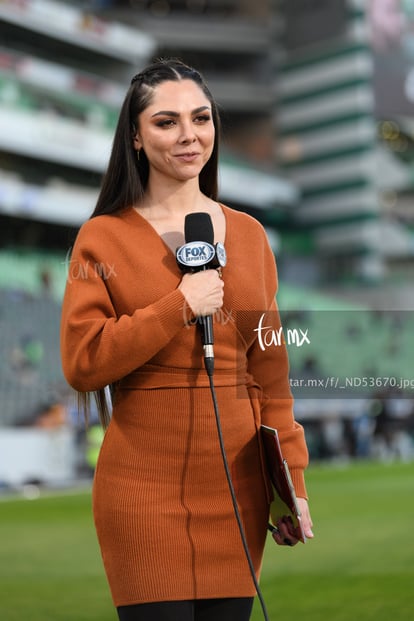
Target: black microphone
[[199, 253], [198, 227]]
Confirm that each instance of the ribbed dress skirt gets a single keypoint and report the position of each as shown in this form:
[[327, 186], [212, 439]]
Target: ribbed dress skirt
[[162, 507]]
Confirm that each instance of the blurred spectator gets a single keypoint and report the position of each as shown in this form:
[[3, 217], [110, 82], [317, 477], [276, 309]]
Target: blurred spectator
[[49, 415], [55, 415], [46, 282], [26, 358], [363, 428], [94, 438]]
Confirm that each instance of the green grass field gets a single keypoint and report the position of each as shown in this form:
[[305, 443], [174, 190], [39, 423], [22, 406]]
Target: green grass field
[[359, 567]]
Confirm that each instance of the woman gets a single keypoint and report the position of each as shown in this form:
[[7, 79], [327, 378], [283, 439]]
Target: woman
[[163, 513]]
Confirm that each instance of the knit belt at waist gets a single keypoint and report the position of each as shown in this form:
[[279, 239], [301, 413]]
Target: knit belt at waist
[[153, 376]]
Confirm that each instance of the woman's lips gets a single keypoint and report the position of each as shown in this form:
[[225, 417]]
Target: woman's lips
[[187, 157]]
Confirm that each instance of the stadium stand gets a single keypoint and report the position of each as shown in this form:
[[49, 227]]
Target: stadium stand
[[30, 373], [62, 79]]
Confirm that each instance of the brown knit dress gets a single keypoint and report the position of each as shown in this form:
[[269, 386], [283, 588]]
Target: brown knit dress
[[162, 508]]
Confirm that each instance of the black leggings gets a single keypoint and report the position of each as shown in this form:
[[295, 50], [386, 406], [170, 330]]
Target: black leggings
[[229, 609]]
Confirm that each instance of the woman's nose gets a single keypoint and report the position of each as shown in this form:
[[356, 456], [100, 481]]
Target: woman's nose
[[187, 133]]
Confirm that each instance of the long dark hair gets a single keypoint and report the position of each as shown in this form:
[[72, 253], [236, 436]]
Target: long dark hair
[[126, 177]]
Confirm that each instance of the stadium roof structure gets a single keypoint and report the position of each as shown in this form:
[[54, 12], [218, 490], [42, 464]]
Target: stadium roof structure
[[69, 24]]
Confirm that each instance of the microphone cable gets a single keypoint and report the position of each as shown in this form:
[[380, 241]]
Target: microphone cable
[[209, 369]]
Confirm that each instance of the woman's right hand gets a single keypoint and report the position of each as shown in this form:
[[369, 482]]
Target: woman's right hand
[[203, 292]]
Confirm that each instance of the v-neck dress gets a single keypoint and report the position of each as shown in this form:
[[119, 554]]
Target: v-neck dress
[[162, 508]]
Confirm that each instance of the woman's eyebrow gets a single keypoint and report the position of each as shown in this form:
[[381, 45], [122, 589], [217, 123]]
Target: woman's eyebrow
[[175, 114]]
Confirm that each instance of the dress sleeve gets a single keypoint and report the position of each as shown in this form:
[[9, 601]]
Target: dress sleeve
[[269, 366], [97, 346]]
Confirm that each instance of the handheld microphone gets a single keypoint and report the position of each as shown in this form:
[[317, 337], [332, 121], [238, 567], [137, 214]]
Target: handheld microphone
[[199, 253]]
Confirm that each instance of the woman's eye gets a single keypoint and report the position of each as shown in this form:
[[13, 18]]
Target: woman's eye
[[166, 123], [203, 118]]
